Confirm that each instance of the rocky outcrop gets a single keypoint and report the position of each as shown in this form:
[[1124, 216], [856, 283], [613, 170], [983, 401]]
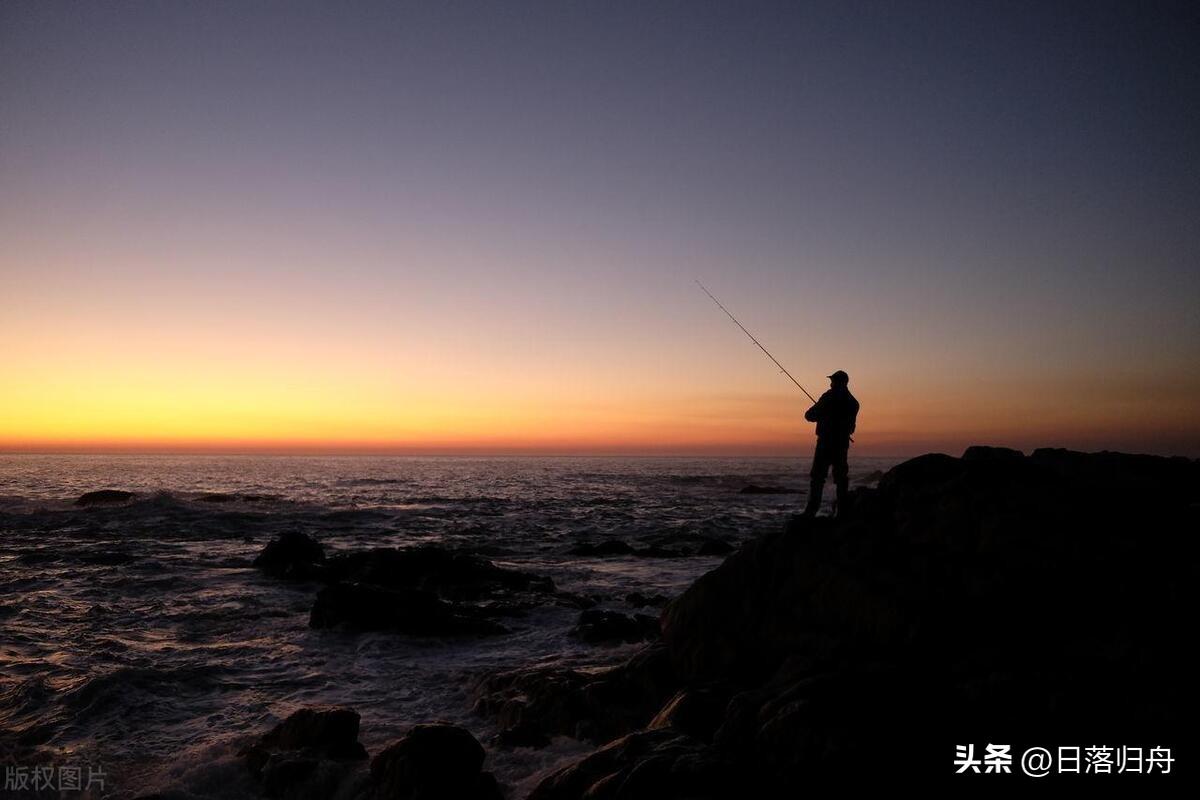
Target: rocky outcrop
[[436, 761], [314, 755], [594, 705], [104, 497], [993, 597], [451, 575], [365, 607], [292, 556], [307, 755], [649, 764], [421, 591]]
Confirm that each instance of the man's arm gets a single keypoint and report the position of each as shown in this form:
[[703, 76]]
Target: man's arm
[[815, 413]]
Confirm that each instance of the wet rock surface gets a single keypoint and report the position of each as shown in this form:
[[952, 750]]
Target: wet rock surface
[[436, 761], [293, 556], [307, 755], [419, 591], [366, 607], [593, 705]]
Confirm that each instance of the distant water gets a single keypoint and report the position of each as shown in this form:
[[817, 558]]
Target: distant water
[[139, 638]]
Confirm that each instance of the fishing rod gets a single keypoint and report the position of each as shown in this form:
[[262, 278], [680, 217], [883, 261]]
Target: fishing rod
[[756, 341]]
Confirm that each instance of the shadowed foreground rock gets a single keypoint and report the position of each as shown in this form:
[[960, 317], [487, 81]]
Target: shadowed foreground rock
[[535, 703], [357, 606], [420, 591], [292, 556], [993, 598], [432, 762], [307, 755]]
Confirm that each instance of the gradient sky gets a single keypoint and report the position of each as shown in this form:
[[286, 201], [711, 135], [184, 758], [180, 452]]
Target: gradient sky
[[474, 227]]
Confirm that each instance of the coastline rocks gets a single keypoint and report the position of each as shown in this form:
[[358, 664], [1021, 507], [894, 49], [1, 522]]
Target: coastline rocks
[[435, 761], [451, 575], [698, 712], [292, 556], [598, 626], [650, 765], [357, 606], [987, 595], [104, 497], [593, 706], [307, 755], [420, 591]]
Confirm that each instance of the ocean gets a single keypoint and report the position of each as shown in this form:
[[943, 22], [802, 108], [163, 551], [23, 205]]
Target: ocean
[[137, 638]]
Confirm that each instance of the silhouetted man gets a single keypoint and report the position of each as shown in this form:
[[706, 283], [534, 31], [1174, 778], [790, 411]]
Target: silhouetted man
[[835, 414]]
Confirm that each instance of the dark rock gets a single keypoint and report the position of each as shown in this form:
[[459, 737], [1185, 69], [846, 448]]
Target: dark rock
[[293, 556], [437, 761], [714, 547], [698, 712], [1003, 454], [104, 497], [594, 705], [650, 765], [756, 489], [988, 595], [360, 606], [598, 625], [451, 575], [307, 755]]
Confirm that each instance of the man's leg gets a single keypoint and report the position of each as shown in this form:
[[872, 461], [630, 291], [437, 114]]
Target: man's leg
[[816, 484], [841, 477]]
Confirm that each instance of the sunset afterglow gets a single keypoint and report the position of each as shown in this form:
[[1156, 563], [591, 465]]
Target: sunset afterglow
[[481, 234]]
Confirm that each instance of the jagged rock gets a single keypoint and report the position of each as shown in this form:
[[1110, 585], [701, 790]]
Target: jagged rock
[[986, 595], [593, 706], [451, 575], [104, 497], [360, 606], [307, 755], [436, 761], [294, 556], [650, 765], [1002, 454], [598, 625], [698, 712]]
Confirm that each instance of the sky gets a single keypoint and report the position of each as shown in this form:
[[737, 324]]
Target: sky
[[475, 227]]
